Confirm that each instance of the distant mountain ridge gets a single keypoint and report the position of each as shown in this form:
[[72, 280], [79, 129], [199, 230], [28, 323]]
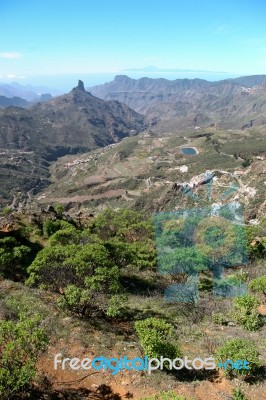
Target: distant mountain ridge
[[185, 103], [249, 81], [13, 102], [27, 92]]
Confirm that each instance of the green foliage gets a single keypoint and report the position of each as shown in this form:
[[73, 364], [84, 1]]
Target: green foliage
[[20, 344], [219, 319], [169, 395], [64, 236], [156, 338], [75, 299], [5, 211], [117, 306], [12, 256], [83, 274], [239, 349], [83, 266], [182, 260], [205, 281], [237, 278], [50, 227], [26, 231], [246, 312], [140, 254], [25, 305], [125, 224], [256, 239], [258, 285], [59, 209], [238, 395], [246, 303]]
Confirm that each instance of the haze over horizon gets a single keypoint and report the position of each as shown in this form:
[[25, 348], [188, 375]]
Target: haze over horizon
[[55, 43]]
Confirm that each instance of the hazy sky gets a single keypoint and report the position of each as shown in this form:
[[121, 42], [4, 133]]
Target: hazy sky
[[49, 37]]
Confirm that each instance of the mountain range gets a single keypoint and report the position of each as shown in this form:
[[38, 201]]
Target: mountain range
[[182, 103], [224, 120], [31, 138], [26, 92]]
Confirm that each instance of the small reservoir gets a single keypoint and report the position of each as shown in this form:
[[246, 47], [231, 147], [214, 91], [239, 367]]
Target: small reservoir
[[189, 151]]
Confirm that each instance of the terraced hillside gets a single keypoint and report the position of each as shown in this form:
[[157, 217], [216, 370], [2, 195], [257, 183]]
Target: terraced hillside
[[151, 172]]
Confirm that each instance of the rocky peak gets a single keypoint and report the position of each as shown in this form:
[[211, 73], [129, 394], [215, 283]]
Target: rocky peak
[[80, 86]]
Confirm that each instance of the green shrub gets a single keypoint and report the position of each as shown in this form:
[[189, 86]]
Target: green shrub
[[238, 278], [13, 256], [258, 285], [6, 211], [59, 209], [238, 349], [64, 236], [205, 283], [238, 395], [246, 313], [219, 318], [82, 275], [156, 338], [50, 227], [117, 306], [256, 240], [20, 344]]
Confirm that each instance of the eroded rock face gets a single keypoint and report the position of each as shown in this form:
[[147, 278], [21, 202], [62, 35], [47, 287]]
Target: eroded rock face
[[81, 86], [8, 224]]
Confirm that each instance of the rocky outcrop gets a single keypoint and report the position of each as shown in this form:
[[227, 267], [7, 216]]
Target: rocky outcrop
[[81, 86]]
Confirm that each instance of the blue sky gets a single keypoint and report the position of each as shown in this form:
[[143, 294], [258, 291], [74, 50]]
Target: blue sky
[[42, 38]]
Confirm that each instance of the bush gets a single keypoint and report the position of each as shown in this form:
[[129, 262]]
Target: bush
[[246, 313], [64, 236], [238, 278], [6, 211], [219, 319], [83, 275], [258, 285], [50, 227], [238, 395], [20, 344], [239, 349], [156, 338], [256, 240], [117, 306], [13, 256], [59, 209]]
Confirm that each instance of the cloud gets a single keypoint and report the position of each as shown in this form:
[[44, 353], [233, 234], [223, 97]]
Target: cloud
[[12, 76], [11, 54]]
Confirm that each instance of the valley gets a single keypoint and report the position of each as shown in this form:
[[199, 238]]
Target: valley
[[144, 171], [103, 208]]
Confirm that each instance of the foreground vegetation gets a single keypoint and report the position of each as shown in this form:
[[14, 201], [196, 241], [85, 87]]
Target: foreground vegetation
[[103, 273]]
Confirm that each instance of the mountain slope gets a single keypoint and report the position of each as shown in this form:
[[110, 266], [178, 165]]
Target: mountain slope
[[75, 122], [148, 172]]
